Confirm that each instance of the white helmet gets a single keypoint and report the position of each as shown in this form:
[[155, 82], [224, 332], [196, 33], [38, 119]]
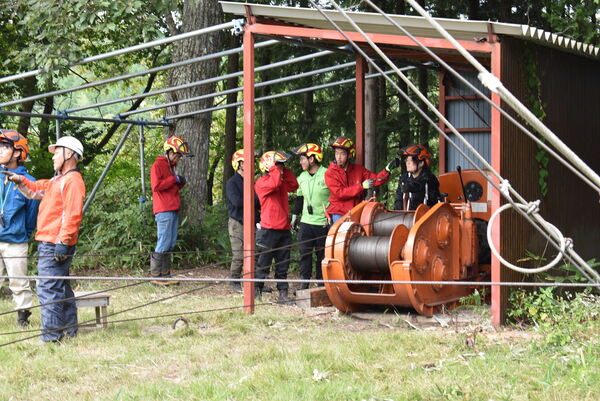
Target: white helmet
[[68, 142]]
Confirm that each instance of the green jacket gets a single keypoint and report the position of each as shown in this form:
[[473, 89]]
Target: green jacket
[[316, 194]]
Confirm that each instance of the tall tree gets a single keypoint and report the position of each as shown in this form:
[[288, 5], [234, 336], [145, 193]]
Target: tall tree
[[195, 129]]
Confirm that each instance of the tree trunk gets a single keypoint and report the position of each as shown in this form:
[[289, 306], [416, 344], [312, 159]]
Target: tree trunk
[[211, 180], [371, 115], [29, 89], [195, 129], [231, 113]]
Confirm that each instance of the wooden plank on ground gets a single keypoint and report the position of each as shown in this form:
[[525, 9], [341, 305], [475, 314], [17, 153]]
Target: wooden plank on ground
[[312, 297]]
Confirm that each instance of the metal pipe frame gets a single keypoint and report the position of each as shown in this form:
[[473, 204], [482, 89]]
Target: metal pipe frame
[[92, 195], [80, 118], [142, 198], [132, 75], [283, 94], [239, 89], [202, 82], [126, 50]]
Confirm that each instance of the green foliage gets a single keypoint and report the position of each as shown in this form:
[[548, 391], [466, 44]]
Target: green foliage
[[559, 319], [537, 106]]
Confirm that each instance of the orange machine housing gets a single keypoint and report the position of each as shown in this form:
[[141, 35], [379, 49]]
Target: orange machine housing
[[435, 244]]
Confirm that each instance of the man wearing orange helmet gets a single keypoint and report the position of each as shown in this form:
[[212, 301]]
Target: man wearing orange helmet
[[418, 184], [17, 221], [166, 202], [348, 181], [275, 237], [311, 202], [234, 193]]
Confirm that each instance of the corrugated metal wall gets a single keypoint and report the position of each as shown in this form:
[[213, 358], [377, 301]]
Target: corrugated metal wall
[[570, 92], [470, 116]]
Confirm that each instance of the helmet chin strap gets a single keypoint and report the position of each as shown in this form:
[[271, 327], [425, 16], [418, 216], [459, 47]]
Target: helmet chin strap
[[59, 171]]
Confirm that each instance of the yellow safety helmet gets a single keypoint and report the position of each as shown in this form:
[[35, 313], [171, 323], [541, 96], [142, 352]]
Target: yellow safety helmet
[[310, 149], [270, 158]]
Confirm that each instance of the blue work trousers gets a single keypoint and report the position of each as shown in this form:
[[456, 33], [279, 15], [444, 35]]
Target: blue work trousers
[[166, 230], [59, 317]]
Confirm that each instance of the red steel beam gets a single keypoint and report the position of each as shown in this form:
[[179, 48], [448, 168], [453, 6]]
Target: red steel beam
[[497, 307], [248, 55], [379, 38], [360, 109]]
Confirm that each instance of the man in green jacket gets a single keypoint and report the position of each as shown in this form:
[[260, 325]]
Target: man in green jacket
[[311, 201]]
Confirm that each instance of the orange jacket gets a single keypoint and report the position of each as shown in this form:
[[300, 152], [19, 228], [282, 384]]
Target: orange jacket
[[61, 209]]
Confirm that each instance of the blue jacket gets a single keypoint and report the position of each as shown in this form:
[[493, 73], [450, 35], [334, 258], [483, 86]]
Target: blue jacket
[[20, 213]]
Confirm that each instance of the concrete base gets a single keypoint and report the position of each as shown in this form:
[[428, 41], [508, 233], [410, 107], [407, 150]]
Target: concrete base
[[312, 297]]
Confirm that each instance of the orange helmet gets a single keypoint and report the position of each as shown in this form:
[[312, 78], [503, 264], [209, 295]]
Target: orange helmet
[[236, 158], [270, 158], [177, 145], [344, 143], [310, 149], [18, 141], [419, 152]]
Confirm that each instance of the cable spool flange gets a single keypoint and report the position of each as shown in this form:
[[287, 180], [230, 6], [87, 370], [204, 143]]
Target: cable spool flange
[[347, 231]]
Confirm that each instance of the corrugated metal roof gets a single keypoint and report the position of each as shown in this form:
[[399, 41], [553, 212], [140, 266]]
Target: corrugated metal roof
[[418, 26]]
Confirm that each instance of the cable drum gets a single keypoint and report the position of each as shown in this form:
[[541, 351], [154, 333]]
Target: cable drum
[[385, 222], [369, 254]]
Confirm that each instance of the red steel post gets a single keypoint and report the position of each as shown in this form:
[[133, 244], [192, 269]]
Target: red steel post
[[497, 307], [248, 57]]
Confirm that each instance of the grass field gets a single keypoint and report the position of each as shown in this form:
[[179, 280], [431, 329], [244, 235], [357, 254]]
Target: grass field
[[286, 353]]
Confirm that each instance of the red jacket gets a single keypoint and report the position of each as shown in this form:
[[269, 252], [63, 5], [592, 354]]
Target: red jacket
[[272, 190], [165, 189], [345, 186]]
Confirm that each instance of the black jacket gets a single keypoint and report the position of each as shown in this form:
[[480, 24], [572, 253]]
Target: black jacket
[[415, 189], [234, 192]]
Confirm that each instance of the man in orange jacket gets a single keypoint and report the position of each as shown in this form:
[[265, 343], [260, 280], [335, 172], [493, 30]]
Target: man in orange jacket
[[59, 218]]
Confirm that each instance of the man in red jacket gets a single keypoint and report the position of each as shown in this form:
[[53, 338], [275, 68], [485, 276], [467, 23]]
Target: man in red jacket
[[165, 203], [272, 190], [347, 181]]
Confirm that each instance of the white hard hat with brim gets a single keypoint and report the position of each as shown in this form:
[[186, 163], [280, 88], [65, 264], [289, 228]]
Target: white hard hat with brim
[[68, 142]]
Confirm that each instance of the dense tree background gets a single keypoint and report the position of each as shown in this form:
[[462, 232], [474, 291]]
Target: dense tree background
[[52, 35]]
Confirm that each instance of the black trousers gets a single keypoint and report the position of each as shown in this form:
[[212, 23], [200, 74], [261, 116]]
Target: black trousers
[[279, 241], [311, 237]]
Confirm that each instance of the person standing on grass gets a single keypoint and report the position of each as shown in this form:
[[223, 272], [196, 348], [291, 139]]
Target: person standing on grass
[[59, 218], [275, 237], [17, 221], [311, 202], [166, 202], [234, 193]]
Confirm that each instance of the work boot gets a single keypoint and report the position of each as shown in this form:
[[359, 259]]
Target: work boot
[[165, 271], [23, 317], [155, 264], [283, 296]]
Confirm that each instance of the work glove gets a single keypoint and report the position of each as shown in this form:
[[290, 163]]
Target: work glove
[[60, 252], [392, 165], [14, 177], [258, 227], [367, 184], [180, 179], [294, 222]]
